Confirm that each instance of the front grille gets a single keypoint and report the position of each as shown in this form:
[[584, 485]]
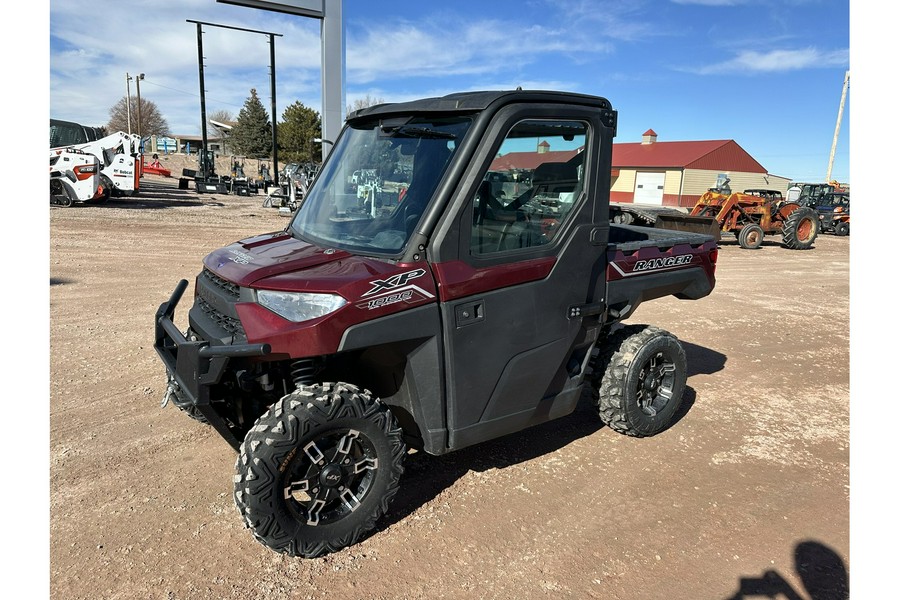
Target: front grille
[[230, 289], [229, 324], [214, 313]]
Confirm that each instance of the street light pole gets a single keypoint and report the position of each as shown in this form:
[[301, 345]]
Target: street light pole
[[137, 82], [128, 99]]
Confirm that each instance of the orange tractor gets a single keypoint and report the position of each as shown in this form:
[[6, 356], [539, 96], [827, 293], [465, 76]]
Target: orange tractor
[[753, 214]]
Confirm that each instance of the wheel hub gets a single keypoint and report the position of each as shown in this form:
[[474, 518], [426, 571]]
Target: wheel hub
[[331, 476], [656, 383], [651, 384]]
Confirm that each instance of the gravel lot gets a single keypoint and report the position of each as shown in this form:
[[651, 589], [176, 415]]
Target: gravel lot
[[747, 495]]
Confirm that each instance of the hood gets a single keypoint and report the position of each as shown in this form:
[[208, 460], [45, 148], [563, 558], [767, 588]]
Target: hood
[[281, 262]]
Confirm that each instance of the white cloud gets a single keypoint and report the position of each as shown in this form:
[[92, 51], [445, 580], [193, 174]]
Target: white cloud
[[468, 48], [89, 59], [750, 61]]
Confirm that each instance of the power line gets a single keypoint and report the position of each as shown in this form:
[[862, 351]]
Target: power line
[[192, 94]]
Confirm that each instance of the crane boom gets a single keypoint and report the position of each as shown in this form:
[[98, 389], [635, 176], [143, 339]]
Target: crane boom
[[837, 127]]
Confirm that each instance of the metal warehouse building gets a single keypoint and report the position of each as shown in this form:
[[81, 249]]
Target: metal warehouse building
[[678, 173]]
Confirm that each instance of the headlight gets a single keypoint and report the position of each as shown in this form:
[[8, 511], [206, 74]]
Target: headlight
[[297, 306]]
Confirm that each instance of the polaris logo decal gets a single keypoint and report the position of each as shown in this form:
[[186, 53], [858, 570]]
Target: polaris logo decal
[[240, 258], [395, 281], [655, 264]]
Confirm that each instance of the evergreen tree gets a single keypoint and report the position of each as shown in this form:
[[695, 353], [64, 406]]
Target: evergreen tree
[[252, 134], [296, 133]]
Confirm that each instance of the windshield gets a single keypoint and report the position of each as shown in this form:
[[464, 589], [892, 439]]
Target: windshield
[[65, 133], [377, 183]]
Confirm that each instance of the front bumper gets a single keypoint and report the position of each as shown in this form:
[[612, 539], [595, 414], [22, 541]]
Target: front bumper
[[194, 366]]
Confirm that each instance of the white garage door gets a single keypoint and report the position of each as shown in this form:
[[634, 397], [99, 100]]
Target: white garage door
[[648, 188]]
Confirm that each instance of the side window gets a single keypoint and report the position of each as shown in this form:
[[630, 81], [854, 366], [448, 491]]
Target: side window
[[530, 186]]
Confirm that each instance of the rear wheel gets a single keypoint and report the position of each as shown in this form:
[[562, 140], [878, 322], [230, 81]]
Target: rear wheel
[[318, 469], [800, 229], [623, 218], [750, 237], [640, 380]]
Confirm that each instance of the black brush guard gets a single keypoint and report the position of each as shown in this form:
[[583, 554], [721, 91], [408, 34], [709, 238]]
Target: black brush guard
[[194, 366]]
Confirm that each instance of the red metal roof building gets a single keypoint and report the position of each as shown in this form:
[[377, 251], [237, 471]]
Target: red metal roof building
[[678, 173], [666, 173]]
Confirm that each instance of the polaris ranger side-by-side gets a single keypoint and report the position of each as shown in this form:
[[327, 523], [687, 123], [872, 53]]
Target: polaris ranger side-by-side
[[434, 312]]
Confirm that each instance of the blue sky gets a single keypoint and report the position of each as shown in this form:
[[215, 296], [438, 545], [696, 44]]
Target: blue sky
[[765, 73]]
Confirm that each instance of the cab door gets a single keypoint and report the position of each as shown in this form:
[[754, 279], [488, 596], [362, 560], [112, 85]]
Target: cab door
[[528, 252]]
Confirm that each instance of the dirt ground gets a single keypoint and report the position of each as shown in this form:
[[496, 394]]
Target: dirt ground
[[747, 495]]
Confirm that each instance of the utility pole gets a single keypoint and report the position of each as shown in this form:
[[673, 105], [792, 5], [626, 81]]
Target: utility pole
[[274, 116], [137, 82], [837, 127], [204, 170], [128, 99]]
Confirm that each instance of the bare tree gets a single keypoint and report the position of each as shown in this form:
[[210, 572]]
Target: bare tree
[[364, 103], [152, 121], [221, 116]]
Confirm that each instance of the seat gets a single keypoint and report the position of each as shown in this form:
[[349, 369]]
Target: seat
[[428, 164]]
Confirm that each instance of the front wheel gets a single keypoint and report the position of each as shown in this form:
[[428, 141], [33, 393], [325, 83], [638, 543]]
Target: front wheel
[[318, 469], [750, 237], [842, 228], [640, 380]]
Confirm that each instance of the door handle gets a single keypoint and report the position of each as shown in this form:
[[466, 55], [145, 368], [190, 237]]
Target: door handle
[[470, 312]]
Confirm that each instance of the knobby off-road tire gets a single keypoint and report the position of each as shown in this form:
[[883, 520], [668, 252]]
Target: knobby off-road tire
[[842, 229], [318, 469], [639, 380], [750, 237], [800, 229]]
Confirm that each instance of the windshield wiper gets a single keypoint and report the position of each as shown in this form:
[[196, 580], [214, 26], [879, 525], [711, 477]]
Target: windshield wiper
[[419, 132]]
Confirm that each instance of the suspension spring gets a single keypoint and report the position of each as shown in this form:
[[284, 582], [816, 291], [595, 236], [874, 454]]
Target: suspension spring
[[304, 371]]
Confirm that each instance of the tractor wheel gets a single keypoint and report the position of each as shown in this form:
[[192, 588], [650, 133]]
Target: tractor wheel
[[800, 229], [640, 380], [842, 229], [750, 237], [318, 469]]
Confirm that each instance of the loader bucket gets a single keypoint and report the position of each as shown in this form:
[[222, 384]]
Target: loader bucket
[[692, 224]]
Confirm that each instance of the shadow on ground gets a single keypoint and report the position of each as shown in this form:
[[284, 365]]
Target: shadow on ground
[[427, 476], [702, 360], [821, 569]]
